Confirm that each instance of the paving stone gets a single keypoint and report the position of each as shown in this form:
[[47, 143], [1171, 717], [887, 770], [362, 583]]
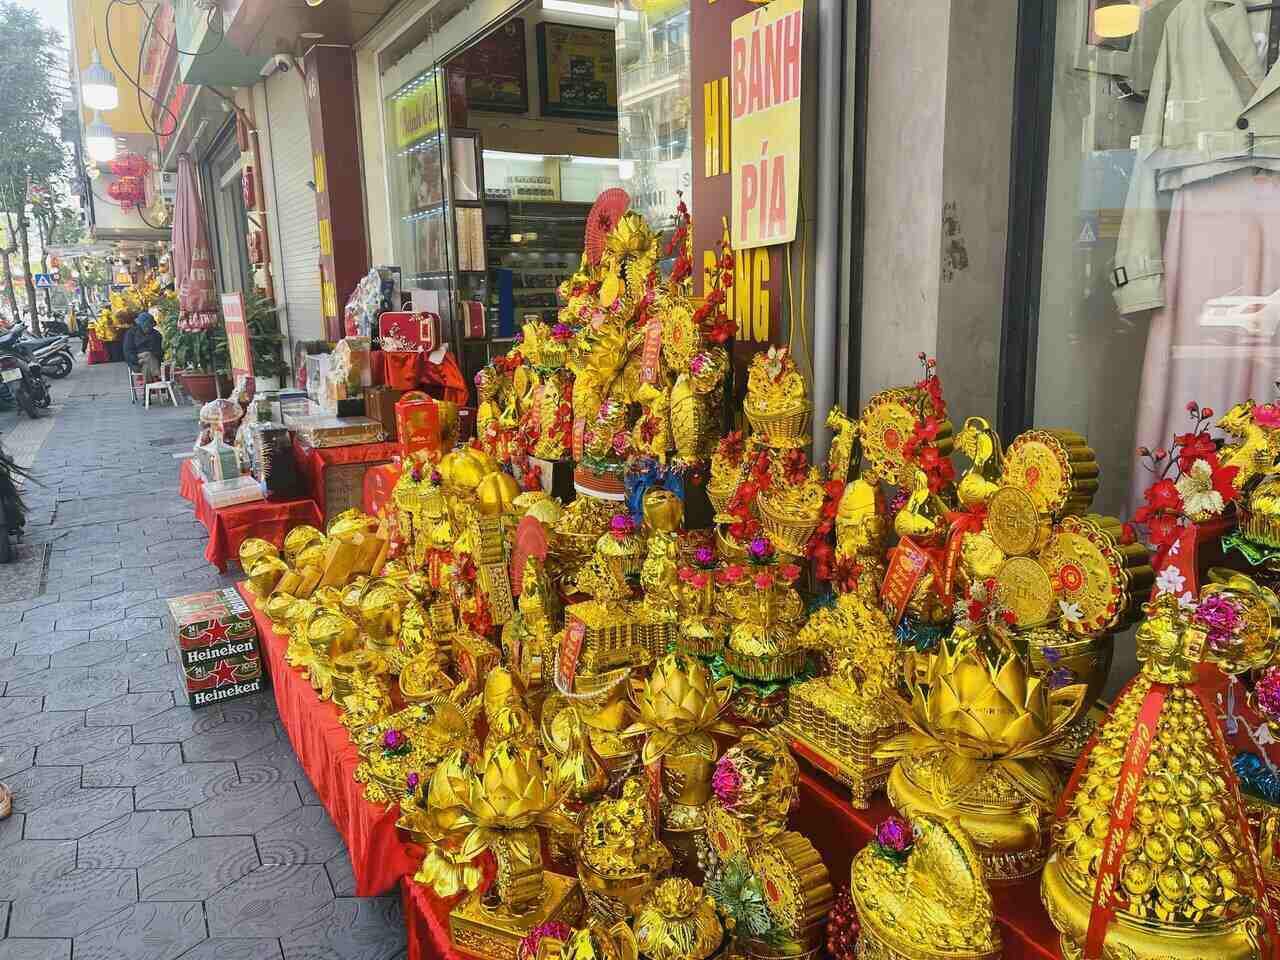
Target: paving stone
[[132, 765], [79, 812], [349, 929], [124, 600], [39, 728], [89, 654], [129, 628], [243, 803], [341, 875], [11, 668], [45, 682], [308, 793], [306, 835], [135, 839], [44, 642], [198, 868], [129, 709], [23, 949], [91, 620], [14, 759], [269, 902], [27, 862], [84, 746], [145, 931], [228, 741], [156, 640], [185, 786], [37, 786], [175, 725], [11, 829], [72, 903], [274, 763], [13, 708], [255, 708], [224, 949], [50, 612]]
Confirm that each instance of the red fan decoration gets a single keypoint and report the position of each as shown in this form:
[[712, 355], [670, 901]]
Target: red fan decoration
[[605, 213], [130, 165]]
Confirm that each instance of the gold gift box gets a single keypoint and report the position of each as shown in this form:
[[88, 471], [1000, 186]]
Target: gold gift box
[[475, 657], [840, 735], [618, 635], [494, 934]]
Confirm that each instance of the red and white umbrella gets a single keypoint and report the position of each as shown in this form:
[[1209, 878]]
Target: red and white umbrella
[[193, 273]]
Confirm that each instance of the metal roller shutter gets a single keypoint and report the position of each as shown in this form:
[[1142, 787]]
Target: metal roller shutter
[[297, 272]]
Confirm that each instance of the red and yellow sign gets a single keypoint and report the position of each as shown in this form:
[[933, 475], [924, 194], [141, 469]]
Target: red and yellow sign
[[237, 327], [764, 87]]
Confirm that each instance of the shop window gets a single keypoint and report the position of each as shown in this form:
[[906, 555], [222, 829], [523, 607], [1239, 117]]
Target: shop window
[[1160, 280]]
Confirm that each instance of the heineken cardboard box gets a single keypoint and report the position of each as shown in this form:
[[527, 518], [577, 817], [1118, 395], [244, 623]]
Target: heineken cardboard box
[[217, 644]]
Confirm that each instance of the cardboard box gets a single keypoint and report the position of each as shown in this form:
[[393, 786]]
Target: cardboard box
[[217, 646]]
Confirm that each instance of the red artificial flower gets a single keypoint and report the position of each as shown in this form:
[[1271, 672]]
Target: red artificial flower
[[1128, 533], [795, 467], [1223, 479], [763, 581], [1163, 495], [1008, 617], [1192, 447], [732, 446], [1163, 529], [789, 571], [976, 611]]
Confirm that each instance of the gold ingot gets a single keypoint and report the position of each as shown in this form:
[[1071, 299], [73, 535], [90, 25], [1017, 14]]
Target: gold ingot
[[546, 510], [265, 574], [329, 597], [277, 608], [382, 604], [495, 493], [1138, 878], [422, 680], [253, 550], [663, 511], [677, 921], [297, 540], [312, 555], [332, 634], [462, 470], [350, 523]]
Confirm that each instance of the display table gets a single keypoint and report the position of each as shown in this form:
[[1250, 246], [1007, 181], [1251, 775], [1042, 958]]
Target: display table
[[230, 526], [379, 855], [339, 469]]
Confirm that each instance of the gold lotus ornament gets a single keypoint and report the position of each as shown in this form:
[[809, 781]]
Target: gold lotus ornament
[[929, 903], [447, 872], [677, 921], [679, 708], [977, 751], [512, 795], [594, 942]]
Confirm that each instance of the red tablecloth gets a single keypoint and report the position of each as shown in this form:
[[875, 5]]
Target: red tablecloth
[[313, 461], [231, 526], [426, 921], [379, 856]]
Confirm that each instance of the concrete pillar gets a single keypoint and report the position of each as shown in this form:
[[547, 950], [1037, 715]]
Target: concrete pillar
[[939, 108]]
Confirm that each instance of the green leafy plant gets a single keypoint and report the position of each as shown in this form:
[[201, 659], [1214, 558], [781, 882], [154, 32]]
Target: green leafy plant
[[207, 351]]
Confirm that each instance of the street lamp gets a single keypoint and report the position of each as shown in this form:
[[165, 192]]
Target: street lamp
[[98, 86], [100, 140]]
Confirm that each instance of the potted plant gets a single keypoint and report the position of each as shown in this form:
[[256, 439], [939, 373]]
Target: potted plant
[[192, 352]]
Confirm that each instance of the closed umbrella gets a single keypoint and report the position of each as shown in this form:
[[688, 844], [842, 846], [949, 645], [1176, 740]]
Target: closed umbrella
[[193, 274]]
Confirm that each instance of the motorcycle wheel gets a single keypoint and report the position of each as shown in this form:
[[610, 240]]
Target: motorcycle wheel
[[58, 366], [27, 402], [6, 542]]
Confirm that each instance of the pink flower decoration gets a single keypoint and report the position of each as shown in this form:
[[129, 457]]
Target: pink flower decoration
[[1267, 692], [726, 783], [894, 835], [1267, 415], [527, 948], [700, 580]]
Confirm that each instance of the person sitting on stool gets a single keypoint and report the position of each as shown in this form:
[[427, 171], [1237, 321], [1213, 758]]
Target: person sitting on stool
[[143, 347]]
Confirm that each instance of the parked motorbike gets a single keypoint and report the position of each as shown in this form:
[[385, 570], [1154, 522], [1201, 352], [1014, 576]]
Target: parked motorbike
[[13, 512], [53, 353], [25, 378]]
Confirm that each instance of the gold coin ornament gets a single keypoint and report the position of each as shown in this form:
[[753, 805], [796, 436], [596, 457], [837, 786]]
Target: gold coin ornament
[[1026, 590], [887, 423], [1056, 467], [1088, 576], [1014, 522]]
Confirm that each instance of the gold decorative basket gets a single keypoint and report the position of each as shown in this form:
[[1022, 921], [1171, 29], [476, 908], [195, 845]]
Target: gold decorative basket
[[720, 496], [781, 428], [787, 532]]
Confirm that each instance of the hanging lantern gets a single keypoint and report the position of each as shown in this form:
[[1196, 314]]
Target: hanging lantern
[[129, 192], [130, 165]]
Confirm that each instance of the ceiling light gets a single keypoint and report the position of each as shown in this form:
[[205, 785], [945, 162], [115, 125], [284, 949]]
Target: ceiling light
[[311, 35], [1116, 20], [314, 3], [98, 85], [588, 10], [100, 140], [507, 155], [596, 161]]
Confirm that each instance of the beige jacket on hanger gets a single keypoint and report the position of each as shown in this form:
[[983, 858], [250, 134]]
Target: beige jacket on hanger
[[1212, 109]]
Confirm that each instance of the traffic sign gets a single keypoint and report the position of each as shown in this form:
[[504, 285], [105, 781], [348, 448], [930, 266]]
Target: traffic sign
[[43, 281]]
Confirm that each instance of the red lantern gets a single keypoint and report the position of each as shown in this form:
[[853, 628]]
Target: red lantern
[[127, 191], [130, 165]]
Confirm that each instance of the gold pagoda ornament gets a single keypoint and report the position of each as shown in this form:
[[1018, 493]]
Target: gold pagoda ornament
[[1153, 857]]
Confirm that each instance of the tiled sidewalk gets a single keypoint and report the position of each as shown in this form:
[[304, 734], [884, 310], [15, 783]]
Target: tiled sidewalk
[[144, 830]]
